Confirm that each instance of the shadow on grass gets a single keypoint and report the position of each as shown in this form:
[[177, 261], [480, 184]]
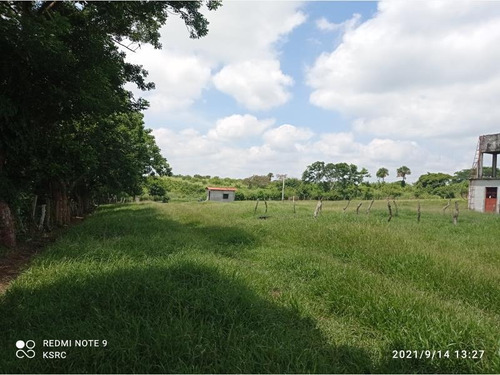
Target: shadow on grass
[[137, 231], [184, 318]]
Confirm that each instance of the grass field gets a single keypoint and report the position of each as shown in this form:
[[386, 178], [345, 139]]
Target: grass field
[[207, 287]]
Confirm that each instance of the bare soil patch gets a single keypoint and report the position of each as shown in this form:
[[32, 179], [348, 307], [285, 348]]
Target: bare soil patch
[[16, 260]]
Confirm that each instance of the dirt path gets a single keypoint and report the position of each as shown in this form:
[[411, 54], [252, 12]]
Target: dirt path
[[17, 260]]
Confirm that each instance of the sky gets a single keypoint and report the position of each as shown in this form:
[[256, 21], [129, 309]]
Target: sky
[[278, 85]]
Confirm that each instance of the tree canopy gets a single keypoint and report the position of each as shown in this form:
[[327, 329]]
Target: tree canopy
[[342, 177], [382, 173], [403, 172], [68, 127]]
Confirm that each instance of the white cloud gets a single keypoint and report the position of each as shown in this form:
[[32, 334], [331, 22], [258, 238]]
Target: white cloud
[[184, 146], [256, 84], [241, 34], [238, 31], [392, 151], [418, 83], [287, 137], [423, 70], [389, 153], [179, 79], [285, 149], [218, 152], [337, 144], [324, 25], [344, 145], [237, 127]]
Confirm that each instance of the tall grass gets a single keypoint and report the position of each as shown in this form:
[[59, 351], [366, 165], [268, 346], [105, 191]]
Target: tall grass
[[208, 287]]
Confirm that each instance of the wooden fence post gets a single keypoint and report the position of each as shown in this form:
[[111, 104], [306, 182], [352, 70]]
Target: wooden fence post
[[418, 212], [256, 205], [347, 205], [448, 205], [370, 206], [455, 214], [396, 207], [390, 211], [317, 211]]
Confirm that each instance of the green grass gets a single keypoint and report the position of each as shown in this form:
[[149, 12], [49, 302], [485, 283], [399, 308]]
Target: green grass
[[208, 287]]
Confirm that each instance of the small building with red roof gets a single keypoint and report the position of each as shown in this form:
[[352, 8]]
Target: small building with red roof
[[220, 194]]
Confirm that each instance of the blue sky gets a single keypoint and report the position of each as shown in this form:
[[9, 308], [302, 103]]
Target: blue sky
[[277, 85]]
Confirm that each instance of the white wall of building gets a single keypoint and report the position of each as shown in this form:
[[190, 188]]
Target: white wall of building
[[218, 195], [477, 194]]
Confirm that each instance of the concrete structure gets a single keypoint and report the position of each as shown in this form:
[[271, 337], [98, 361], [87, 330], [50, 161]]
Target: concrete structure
[[484, 190], [220, 194]]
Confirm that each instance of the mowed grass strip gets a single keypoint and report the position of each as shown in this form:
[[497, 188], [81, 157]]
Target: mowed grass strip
[[207, 287]]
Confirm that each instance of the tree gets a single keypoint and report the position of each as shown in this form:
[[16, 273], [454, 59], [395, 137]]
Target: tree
[[314, 173], [382, 173], [292, 182], [256, 181], [62, 71], [344, 178], [462, 175], [436, 184], [403, 172], [431, 181], [157, 190]]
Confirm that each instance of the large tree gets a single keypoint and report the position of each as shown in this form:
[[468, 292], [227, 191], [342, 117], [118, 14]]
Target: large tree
[[342, 177], [314, 173], [63, 70]]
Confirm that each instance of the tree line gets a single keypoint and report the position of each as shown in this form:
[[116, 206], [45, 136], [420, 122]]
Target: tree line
[[320, 180], [70, 133]]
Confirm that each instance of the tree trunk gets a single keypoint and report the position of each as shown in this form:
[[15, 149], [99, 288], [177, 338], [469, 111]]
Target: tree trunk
[[79, 205], [62, 212], [48, 218], [7, 227], [42, 217], [87, 208], [33, 208]]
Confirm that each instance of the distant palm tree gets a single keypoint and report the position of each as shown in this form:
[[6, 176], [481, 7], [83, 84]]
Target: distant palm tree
[[403, 172], [382, 173]]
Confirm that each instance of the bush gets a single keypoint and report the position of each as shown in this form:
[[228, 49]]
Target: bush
[[156, 189]]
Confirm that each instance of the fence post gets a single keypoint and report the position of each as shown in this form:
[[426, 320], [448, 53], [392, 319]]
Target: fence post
[[455, 214]]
